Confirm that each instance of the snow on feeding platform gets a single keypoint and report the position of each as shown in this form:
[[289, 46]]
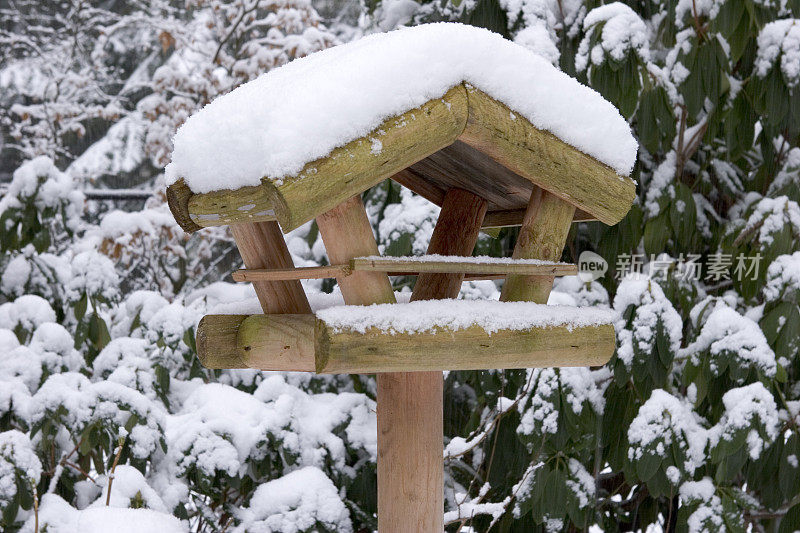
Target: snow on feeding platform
[[272, 126], [454, 315]]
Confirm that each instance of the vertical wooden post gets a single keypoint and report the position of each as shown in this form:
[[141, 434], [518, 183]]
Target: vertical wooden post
[[542, 236], [410, 463], [410, 404], [261, 245]]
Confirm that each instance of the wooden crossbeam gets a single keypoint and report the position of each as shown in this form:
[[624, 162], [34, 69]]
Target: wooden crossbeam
[[474, 270], [274, 274], [390, 265], [307, 344]]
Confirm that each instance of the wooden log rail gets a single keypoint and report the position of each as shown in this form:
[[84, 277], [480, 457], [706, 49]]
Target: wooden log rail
[[409, 267], [308, 344]]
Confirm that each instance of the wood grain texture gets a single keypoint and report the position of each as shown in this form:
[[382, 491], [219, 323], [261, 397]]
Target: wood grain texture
[[303, 343], [216, 341], [261, 245], [464, 140], [546, 160], [336, 271], [542, 236], [178, 196], [278, 274], [404, 267], [347, 233], [357, 166], [220, 208], [266, 342], [460, 166], [514, 217], [339, 352], [410, 405], [410, 479], [278, 342], [391, 265]]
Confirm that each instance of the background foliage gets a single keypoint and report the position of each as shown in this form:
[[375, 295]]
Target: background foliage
[[692, 426]]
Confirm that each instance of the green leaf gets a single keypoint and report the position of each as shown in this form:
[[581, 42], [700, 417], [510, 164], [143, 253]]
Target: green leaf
[[656, 234], [41, 241], [791, 521], [647, 466], [789, 468], [683, 215], [79, 308], [555, 493]]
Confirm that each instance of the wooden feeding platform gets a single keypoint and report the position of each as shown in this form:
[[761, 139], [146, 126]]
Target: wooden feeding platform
[[499, 150], [389, 338]]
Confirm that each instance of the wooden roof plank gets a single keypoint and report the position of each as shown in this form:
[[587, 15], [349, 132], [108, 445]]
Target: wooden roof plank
[[546, 160], [350, 170]]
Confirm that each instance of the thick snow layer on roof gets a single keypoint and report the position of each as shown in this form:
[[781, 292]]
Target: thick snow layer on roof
[[272, 126], [423, 316]]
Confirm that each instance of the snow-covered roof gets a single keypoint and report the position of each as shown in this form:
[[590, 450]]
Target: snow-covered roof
[[274, 125]]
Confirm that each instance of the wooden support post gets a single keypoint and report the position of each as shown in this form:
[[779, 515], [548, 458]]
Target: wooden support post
[[410, 405], [456, 233], [542, 236], [262, 245], [347, 233]]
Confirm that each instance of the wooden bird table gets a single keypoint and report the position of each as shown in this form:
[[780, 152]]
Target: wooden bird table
[[486, 166]]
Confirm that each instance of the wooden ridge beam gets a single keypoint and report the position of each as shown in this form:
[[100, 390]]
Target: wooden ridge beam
[[305, 343]]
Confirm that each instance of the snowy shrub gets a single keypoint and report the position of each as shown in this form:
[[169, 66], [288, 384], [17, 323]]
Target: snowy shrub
[[706, 510], [559, 409], [40, 204], [612, 52], [748, 425], [667, 443], [406, 227], [58, 516], [20, 470], [303, 501], [649, 333]]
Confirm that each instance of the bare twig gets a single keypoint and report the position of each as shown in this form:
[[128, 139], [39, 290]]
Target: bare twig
[[121, 442], [35, 506]]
